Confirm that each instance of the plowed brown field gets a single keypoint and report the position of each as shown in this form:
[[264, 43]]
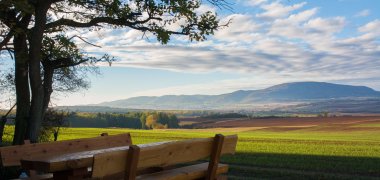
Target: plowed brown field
[[341, 123]]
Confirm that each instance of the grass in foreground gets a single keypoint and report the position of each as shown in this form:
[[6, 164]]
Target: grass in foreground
[[307, 153]]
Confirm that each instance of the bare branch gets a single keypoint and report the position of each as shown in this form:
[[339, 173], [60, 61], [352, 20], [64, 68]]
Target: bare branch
[[6, 40], [221, 4], [81, 38], [62, 63], [67, 62], [10, 51], [97, 20]]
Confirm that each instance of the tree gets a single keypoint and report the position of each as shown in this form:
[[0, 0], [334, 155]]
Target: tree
[[143, 121], [26, 24], [173, 121], [52, 124], [151, 121]]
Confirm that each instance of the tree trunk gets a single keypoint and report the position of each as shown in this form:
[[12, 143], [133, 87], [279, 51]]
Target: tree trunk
[[48, 87], [22, 83], [56, 134], [36, 109]]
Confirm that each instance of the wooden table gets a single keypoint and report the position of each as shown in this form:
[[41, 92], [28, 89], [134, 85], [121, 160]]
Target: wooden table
[[69, 165]]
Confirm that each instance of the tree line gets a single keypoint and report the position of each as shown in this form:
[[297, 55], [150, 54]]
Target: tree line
[[135, 120]]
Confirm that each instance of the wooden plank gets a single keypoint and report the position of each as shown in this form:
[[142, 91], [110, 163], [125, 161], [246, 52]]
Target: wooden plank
[[197, 171], [215, 156], [27, 141], [85, 158], [42, 176], [11, 155], [132, 160], [182, 151], [165, 154], [65, 161], [102, 163], [32, 174]]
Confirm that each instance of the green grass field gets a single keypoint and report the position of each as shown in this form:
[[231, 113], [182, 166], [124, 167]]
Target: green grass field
[[309, 153]]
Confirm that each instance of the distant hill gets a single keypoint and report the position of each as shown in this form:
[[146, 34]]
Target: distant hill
[[339, 105], [93, 109], [300, 92]]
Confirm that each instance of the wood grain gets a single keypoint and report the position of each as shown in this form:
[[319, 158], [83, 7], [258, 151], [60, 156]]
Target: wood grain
[[215, 157], [11, 155], [69, 161], [132, 160], [164, 154]]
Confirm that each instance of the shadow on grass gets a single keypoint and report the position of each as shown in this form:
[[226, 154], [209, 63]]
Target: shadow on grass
[[290, 166]]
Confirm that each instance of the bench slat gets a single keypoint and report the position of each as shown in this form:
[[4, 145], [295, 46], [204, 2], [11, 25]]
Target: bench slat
[[215, 157], [11, 155], [161, 155]]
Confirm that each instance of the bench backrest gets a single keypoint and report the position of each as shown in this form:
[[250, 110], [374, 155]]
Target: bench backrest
[[11, 155], [160, 155]]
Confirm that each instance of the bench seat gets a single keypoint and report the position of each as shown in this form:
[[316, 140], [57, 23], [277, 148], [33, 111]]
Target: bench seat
[[12, 155], [196, 171]]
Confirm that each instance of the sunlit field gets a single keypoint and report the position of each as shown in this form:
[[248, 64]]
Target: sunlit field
[[318, 152]]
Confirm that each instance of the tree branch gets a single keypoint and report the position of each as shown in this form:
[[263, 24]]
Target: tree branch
[[6, 40], [97, 20], [81, 38], [67, 62], [61, 63]]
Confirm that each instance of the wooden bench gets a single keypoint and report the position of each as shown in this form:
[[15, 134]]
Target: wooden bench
[[11, 155], [127, 164]]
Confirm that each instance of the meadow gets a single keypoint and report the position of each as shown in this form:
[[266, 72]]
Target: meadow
[[326, 151]]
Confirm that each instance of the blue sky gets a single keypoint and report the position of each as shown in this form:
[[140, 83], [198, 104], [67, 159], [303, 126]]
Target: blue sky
[[268, 42]]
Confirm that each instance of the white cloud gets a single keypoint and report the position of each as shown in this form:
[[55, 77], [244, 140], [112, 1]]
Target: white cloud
[[255, 2], [326, 26], [372, 27], [205, 8], [292, 27], [241, 28], [278, 10], [363, 13], [303, 15], [311, 35]]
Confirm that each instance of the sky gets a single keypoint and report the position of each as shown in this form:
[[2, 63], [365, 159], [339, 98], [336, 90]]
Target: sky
[[268, 42]]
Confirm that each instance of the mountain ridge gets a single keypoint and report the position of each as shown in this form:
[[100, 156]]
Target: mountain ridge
[[281, 93]]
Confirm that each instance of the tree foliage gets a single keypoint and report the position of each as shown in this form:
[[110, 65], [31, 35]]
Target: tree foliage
[[53, 122], [33, 32], [135, 120]]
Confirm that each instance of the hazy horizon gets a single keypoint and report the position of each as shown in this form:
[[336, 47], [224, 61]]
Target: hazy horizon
[[206, 93]]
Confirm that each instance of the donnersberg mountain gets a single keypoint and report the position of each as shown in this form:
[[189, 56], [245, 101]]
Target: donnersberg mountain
[[297, 92]]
